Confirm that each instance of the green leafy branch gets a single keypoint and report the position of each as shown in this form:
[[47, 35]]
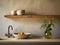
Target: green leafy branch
[[48, 25]]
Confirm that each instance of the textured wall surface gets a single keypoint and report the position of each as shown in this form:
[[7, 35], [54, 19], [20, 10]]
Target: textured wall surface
[[46, 7]]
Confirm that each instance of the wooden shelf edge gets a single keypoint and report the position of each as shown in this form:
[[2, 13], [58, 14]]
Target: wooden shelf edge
[[32, 16], [17, 16]]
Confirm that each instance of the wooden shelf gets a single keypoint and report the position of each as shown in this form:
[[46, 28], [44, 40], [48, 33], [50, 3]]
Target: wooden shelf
[[32, 16], [17, 16]]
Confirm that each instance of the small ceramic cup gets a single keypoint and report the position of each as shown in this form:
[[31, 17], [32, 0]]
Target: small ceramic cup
[[13, 12], [20, 12]]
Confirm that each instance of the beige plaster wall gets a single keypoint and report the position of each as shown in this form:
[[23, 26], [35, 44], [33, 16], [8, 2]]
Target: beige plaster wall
[[46, 7]]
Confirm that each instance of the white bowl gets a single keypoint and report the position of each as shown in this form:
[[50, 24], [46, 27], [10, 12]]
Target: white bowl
[[26, 35]]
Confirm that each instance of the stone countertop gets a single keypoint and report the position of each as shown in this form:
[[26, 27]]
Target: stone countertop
[[32, 40]]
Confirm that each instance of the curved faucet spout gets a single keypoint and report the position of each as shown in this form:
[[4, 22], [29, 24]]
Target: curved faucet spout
[[9, 27]]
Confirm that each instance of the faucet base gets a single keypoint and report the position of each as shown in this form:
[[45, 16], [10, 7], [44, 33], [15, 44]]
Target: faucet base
[[8, 35]]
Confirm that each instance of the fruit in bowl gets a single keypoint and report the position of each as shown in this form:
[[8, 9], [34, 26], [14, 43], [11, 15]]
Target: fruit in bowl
[[22, 35]]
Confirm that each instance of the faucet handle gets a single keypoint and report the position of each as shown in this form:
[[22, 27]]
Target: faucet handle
[[8, 35]]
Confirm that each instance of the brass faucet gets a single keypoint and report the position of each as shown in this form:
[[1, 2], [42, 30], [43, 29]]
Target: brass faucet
[[10, 26]]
